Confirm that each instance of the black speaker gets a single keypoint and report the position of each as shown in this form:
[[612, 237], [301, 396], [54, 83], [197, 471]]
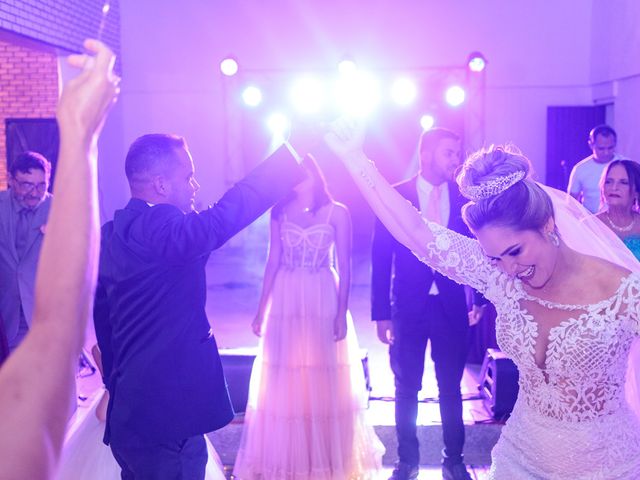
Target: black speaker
[[498, 384], [237, 364]]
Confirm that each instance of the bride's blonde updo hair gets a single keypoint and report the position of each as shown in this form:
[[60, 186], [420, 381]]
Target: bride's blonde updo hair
[[496, 180]]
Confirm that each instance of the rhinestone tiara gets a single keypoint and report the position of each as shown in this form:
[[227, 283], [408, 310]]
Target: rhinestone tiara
[[491, 188]]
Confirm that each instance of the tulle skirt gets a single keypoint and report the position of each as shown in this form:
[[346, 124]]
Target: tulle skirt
[[85, 456], [306, 415]]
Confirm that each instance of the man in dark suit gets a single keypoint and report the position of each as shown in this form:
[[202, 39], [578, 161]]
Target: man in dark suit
[[161, 364], [412, 305], [24, 209]]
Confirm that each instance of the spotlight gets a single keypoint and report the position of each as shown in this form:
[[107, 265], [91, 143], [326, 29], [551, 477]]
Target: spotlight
[[308, 95], [455, 96], [252, 96], [347, 67], [427, 122], [278, 124], [404, 91], [476, 62], [229, 66], [357, 94]]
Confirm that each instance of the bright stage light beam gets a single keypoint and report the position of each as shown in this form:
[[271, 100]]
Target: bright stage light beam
[[308, 95], [347, 67], [252, 96], [427, 122], [357, 94], [279, 125], [404, 91], [455, 96]]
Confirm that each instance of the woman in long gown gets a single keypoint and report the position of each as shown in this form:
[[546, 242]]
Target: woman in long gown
[[85, 456], [306, 417], [567, 319]]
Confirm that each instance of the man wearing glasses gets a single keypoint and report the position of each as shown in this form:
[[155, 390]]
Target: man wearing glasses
[[24, 209]]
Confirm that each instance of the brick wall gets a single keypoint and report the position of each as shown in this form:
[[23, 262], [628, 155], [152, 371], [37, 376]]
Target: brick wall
[[28, 86], [61, 23], [32, 35]]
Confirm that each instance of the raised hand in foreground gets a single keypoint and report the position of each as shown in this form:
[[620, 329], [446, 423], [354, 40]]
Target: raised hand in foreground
[[37, 381]]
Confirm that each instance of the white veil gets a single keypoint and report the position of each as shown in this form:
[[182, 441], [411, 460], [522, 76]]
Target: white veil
[[584, 232]]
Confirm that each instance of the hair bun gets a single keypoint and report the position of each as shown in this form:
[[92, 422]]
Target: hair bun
[[490, 171]]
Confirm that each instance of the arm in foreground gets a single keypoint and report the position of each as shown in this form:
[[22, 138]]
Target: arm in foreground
[[454, 255], [36, 383]]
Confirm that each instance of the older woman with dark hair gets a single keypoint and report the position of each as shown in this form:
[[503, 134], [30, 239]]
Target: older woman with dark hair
[[619, 190], [567, 302]]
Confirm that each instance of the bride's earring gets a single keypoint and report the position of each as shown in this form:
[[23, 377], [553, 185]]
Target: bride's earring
[[554, 239]]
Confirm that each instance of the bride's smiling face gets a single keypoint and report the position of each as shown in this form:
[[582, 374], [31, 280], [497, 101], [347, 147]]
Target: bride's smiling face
[[529, 255]]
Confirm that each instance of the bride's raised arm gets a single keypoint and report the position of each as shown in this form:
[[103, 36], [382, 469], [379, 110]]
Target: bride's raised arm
[[452, 254]]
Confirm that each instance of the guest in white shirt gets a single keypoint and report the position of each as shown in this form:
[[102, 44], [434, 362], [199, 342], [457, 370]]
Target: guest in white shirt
[[584, 181]]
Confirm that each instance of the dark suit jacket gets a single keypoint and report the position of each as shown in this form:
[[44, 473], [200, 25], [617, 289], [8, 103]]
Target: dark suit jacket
[[400, 282], [161, 363]]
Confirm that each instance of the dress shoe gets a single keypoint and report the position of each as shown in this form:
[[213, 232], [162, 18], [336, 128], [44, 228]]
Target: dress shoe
[[457, 471], [403, 471]]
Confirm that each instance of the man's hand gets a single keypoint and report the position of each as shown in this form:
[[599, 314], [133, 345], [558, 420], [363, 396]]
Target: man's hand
[[476, 314], [384, 329], [86, 99]]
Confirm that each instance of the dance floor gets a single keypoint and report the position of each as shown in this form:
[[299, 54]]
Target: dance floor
[[234, 276]]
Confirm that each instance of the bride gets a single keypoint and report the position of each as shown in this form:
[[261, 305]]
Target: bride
[[567, 295]]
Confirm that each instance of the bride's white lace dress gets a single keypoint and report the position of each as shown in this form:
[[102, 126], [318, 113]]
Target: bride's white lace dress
[[571, 420]]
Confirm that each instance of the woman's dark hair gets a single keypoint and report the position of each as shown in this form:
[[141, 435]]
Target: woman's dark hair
[[321, 195]]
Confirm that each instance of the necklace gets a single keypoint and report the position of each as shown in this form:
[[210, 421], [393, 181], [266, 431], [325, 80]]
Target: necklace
[[624, 228]]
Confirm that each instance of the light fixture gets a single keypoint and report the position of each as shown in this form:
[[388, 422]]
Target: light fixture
[[229, 66], [476, 62], [427, 122], [252, 96], [404, 91], [308, 95], [455, 96]]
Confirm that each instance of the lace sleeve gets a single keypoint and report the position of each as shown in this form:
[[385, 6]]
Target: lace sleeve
[[458, 257], [452, 254], [632, 301]]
